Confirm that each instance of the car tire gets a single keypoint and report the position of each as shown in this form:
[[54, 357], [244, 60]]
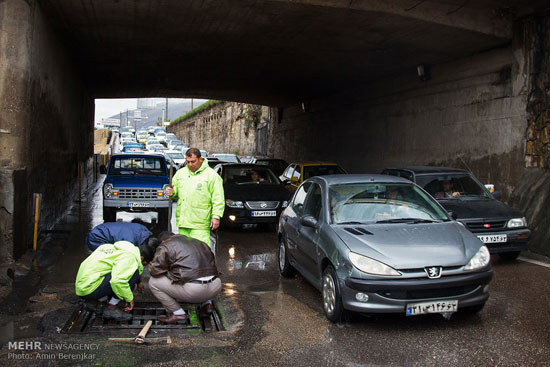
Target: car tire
[[332, 296], [509, 256], [109, 214], [286, 270], [163, 217]]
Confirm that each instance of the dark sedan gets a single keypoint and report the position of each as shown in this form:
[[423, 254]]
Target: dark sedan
[[381, 244], [502, 228], [253, 194]]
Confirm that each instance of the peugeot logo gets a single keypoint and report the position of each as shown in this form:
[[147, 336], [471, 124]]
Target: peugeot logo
[[263, 205], [433, 272]]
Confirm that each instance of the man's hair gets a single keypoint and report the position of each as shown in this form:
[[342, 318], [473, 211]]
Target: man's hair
[[163, 236], [148, 249], [193, 151]]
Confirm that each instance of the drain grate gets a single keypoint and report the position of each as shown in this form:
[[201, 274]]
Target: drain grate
[[86, 321]]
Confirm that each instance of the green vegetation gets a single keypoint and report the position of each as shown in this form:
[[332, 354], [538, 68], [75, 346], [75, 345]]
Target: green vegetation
[[193, 112]]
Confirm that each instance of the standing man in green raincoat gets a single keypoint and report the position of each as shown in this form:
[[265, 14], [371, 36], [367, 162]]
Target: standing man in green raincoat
[[201, 201]]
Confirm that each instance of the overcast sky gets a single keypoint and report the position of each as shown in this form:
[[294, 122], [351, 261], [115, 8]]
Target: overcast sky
[[105, 108]]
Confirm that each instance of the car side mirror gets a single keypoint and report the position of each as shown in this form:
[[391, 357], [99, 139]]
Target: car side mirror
[[103, 169], [452, 214], [308, 221], [497, 195]]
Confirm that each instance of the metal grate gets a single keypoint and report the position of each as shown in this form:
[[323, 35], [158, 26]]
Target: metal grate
[[136, 193], [262, 205], [86, 321], [486, 225]]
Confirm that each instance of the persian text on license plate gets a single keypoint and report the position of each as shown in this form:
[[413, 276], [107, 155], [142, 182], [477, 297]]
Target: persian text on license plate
[[138, 205], [265, 213], [423, 308], [493, 238]]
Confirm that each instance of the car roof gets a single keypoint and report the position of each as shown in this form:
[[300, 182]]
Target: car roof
[[419, 170], [137, 154], [359, 178], [244, 165], [316, 163]]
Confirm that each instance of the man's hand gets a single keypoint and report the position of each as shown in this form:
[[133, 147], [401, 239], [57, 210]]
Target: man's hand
[[169, 190], [214, 223], [129, 306], [456, 194], [140, 287]]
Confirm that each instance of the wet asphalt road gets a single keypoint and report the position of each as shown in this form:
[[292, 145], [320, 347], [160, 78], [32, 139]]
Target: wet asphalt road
[[279, 322]]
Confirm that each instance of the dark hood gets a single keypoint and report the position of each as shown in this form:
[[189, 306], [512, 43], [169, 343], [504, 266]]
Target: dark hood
[[468, 208], [256, 192]]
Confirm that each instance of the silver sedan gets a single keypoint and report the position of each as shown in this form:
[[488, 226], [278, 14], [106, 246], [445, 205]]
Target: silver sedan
[[381, 244]]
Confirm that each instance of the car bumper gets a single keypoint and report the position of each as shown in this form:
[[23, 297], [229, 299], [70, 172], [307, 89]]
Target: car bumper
[[516, 240], [135, 205], [393, 296]]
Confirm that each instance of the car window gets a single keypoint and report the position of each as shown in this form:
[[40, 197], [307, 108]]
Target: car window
[[135, 165], [299, 198], [379, 202], [311, 171], [297, 172], [250, 175], [442, 186], [288, 171], [314, 202]]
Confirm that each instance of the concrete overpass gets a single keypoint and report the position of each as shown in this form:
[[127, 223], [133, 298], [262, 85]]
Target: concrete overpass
[[341, 75]]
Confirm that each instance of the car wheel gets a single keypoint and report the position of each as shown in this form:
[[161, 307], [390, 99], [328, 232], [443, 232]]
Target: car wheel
[[163, 217], [332, 297], [509, 255], [109, 214], [285, 268]]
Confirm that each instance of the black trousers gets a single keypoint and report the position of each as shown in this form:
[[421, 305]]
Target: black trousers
[[105, 290]]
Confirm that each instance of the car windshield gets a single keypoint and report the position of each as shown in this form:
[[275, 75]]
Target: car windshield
[[247, 175], [176, 155], [310, 171], [452, 186], [138, 166], [382, 203], [227, 157]]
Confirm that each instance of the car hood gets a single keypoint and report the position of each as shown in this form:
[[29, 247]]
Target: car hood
[[411, 246], [137, 181], [256, 192], [467, 208]]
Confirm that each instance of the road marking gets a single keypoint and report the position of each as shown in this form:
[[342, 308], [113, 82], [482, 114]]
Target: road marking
[[536, 262]]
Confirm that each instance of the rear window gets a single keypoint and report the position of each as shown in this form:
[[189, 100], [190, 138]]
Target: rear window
[[311, 171], [138, 166]]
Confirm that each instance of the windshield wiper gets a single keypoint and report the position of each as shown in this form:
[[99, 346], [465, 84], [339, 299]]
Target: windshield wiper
[[407, 220], [352, 222]]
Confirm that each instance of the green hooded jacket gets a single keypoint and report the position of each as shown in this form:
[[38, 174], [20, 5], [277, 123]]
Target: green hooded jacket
[[200, 196], [121, 260]]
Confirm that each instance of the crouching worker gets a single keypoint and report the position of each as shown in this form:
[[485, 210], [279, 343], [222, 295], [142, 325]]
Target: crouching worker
[[111, 272], [183, 270], [111, 232]]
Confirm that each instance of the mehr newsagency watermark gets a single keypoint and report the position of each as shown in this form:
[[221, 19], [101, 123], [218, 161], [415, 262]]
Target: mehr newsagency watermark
[[36, 351]]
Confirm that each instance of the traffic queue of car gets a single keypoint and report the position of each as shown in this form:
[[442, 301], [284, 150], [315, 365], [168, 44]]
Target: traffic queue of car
[[413, 240]]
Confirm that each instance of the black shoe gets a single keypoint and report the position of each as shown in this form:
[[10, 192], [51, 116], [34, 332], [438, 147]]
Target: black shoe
[[173, 319], [115, 313], [94, 306]]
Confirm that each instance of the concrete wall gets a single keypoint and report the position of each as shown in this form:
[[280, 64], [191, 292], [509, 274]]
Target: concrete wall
[[46, 124], [228, 127], [471, 114]]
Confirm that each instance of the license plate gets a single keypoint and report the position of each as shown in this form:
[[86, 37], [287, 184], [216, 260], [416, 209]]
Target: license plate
[[139, 205], [423, 308], [265, 213], [494, 238]]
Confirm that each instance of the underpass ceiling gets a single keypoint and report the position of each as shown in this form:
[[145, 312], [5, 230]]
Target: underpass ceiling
[[266, 52]]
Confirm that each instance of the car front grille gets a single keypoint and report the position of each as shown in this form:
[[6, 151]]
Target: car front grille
[[429, 293], [486, 225], [262, 205], [137, 193]]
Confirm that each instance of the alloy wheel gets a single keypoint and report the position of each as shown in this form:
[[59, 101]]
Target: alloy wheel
[[329, 292]]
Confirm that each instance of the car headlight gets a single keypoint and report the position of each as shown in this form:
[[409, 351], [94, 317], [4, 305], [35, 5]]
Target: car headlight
[[108, 191], [370, 266], [517, 223], [480, 260], [234, 204], [161, 194], [285, 204]]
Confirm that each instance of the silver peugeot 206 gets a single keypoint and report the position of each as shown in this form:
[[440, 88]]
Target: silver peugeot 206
[[381, 244]]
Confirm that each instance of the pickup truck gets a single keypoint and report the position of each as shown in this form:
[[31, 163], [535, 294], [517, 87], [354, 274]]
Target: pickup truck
[[135, 183]]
